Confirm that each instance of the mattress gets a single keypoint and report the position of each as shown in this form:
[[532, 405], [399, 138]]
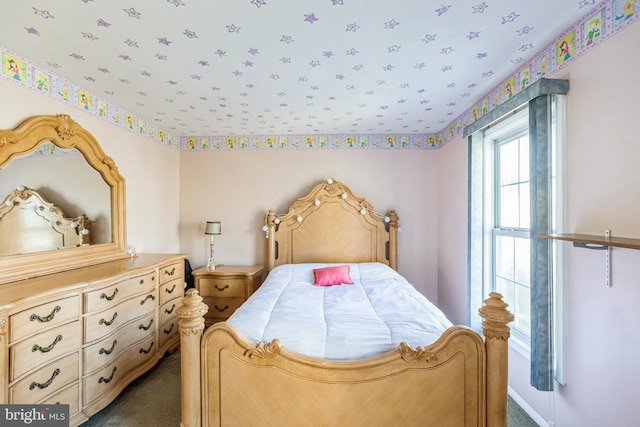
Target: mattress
[[372, 316]]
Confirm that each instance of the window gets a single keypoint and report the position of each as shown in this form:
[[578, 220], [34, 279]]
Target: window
[[507, 219], [511, 225], [515, 182]]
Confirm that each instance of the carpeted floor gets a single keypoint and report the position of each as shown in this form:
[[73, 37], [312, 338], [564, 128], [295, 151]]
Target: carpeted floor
[[151, 400], [154, 400]]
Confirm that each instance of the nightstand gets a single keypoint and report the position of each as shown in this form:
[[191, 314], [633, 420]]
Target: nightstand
[[226, 288]]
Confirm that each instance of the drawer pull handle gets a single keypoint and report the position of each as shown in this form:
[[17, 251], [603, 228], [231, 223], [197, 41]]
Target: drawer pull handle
[[48, 318], [108, 322], [142, 281], [152, 297], [170, 273], [105, 351], [107, 297], [221, 288], [221, 309], [168, 331], [169, 291], [142, 350], [146, 328], [45, 384], [36, 347], [170, 310], [108, 380]]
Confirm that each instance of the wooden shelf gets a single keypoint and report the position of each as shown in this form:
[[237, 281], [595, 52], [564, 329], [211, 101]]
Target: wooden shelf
[[619, 242]]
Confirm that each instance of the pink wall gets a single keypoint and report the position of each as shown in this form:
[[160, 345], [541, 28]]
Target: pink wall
[[602, 174], [238, 188]]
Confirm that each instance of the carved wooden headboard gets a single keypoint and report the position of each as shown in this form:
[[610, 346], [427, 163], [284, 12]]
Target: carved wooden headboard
[[331, 225], [29, 223]]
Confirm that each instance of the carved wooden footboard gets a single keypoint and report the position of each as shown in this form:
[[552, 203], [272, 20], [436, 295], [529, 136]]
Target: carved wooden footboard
[[460, 380]]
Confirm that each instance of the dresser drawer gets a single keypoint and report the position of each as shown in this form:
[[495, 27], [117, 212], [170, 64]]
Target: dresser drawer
[[44, 316], [108, 349], [105, 379], [43, 348], [101, 299], [227, 287], [46, 380], [69, 395], [168, 330], [98, 325], [171, 272], [171, 290], [222, 308], [167, 311]]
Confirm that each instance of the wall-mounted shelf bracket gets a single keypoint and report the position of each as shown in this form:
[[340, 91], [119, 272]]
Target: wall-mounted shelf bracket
[[598, 243], [585, 245]]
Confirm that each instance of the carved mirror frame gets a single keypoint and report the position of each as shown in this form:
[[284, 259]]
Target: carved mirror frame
[[64, 132]]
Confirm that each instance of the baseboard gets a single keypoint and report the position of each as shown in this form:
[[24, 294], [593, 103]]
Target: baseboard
[[527, 408]]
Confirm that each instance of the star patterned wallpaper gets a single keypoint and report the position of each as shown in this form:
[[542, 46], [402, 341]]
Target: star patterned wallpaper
[[262, 74]]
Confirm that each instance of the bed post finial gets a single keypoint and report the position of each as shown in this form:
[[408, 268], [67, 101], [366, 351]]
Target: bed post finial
[[496, 337], [392, 225], [191, 325], [271, 240]]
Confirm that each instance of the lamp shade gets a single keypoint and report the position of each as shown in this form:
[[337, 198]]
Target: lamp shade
[[213, 227]]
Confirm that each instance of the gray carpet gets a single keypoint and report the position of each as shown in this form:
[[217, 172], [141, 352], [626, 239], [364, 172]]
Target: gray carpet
[[154, 400], [151, 400]]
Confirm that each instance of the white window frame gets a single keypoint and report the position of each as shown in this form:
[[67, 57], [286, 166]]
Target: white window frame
[[511, 127]]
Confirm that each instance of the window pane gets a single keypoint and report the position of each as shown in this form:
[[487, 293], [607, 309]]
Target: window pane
[[508, 155], [522, 308], [524, 158], [522, 264], [505, 287], [525, 221], [504, 257], [509, 207]]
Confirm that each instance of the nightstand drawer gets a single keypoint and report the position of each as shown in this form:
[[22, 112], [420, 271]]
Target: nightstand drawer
[[221, 308], [224, 287]]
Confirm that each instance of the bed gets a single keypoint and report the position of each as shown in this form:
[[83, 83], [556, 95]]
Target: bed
[[29, 223], [237, 373]]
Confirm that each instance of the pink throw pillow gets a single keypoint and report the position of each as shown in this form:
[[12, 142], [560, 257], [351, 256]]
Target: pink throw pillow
[[329, 276]]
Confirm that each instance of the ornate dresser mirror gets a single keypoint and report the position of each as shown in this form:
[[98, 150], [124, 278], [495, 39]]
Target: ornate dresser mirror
[[63, 200]]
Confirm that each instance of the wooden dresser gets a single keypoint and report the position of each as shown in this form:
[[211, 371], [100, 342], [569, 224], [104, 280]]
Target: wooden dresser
[[226, 288], [80, 337]]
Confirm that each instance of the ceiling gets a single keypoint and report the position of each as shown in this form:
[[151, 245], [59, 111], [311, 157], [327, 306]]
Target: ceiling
[[263, 67]]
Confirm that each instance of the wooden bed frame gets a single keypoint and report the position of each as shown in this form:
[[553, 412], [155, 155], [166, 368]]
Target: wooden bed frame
[[460, 380], [29, 223]]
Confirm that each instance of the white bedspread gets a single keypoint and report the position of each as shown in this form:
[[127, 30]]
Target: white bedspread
[[343, 322]]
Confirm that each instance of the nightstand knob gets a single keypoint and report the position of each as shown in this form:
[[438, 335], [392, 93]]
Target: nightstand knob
[[221, 288]]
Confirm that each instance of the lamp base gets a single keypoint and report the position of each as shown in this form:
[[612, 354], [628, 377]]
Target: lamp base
[[211, 266]]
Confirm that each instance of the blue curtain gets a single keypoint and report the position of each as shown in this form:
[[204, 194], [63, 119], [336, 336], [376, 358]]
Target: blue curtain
[[540, 128]]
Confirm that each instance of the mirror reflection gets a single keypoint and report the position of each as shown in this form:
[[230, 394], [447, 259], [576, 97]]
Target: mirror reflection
[[63, 179]]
